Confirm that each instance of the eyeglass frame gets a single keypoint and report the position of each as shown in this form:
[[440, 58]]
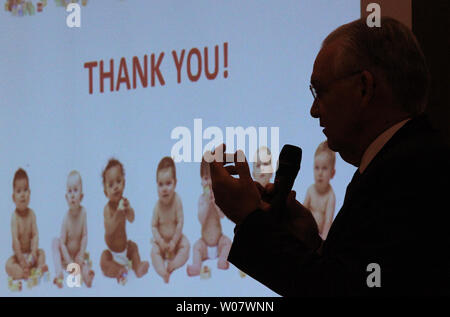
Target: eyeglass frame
[[314, 92]]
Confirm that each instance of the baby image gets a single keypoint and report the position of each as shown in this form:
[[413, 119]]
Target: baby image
[[25, 237], [213, 243], [170, 248], [115, 260], [262, 166], [320, 198], [70, 247]]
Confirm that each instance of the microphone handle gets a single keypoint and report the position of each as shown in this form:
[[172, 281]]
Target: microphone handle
[[283, 186]]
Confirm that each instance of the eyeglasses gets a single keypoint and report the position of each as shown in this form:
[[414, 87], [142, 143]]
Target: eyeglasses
[[314, 91]]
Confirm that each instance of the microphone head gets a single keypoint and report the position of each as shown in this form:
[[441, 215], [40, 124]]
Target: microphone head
[[291, 157], [287, 170]]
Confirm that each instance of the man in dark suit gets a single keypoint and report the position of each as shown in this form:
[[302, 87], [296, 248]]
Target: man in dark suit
[[390, 237]]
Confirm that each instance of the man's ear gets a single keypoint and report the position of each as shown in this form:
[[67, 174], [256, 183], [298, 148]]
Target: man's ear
[[333, 171], [366, 87], [14, 200], [81, 197]]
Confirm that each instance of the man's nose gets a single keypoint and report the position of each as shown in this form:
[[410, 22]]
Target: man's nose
[[314, 109]]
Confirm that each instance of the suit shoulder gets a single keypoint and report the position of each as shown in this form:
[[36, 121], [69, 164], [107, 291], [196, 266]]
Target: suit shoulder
[[417, 149]]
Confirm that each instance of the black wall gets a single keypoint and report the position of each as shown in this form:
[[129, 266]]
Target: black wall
[[430, 24]]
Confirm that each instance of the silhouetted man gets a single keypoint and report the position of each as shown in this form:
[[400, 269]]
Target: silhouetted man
[[391, 235]]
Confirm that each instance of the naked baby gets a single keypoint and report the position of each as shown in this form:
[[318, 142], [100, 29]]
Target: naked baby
[[170, 248], [70, 247], [25, 236], [115, 259], [213, 243], [320, 198]]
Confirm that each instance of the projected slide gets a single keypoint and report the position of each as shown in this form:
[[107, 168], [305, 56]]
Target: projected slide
[[107, 108]]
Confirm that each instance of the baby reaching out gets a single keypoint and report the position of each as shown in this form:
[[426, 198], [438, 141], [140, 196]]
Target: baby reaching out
[[117, 211]]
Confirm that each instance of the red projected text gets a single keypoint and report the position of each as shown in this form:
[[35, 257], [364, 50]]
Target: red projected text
[[146, 71]]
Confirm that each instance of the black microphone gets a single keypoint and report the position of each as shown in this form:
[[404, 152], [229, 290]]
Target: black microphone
[[287, 170]]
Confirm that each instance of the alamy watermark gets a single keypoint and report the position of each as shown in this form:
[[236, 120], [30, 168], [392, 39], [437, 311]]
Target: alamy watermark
[[74, 18], [190, 147], [374, 278], [374, 18], [74, 277]]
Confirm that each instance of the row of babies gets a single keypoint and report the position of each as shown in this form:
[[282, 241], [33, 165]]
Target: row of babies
[[170, 248]]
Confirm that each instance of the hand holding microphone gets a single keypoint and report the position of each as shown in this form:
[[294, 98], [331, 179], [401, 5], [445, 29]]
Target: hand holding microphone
[[285, 210], [238, 197]]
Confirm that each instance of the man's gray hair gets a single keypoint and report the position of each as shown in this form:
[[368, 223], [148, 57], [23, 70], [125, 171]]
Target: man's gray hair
[[391, 51]]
